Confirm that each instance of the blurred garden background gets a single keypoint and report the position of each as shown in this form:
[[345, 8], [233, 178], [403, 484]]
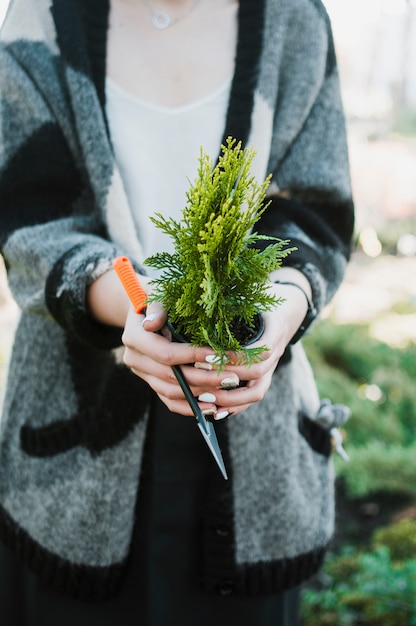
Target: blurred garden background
[[364, 348]]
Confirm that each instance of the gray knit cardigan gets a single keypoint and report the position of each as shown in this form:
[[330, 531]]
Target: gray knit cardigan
[[74, 418]]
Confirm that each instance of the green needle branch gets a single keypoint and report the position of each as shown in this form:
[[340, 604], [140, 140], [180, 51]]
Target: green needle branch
[[216, 280]]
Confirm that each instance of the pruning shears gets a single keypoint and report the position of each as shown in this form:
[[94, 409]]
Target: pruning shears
[[131, 283]]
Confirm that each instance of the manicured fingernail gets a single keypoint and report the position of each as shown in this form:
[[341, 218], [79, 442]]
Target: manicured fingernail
[[202, 366], [149, 318], [213, 358], [222, 415], [229, 383], [207, 397], [209, 414]]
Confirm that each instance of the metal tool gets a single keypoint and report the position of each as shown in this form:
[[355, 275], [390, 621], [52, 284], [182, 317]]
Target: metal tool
[[131, 283]]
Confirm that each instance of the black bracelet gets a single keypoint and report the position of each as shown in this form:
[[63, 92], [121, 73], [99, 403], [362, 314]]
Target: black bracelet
[[310, 316]]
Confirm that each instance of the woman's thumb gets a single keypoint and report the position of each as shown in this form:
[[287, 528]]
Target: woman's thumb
[[156, 317]]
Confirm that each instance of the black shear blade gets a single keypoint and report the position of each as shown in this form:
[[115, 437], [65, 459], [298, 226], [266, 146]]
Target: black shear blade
[[208, 433], [206, 428]]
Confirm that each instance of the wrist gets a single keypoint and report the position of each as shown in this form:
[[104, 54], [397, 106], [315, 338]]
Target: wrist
[[310, 314], [107, 300]]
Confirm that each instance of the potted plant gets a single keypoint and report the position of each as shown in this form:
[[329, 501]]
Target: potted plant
[[214, 284]]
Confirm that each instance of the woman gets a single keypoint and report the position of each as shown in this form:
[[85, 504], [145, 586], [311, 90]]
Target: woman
[[107, 491]]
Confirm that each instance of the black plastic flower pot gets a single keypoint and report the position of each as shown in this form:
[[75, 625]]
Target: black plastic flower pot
[[245, 334]]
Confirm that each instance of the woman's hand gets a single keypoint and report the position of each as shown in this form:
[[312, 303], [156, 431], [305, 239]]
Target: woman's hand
[[151, 355], [280, 326]]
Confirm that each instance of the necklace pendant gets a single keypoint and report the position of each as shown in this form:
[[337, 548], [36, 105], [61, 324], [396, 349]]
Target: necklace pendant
[[161, 20]]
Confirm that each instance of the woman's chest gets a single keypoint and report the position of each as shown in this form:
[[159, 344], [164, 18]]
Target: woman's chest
[[177, 65]]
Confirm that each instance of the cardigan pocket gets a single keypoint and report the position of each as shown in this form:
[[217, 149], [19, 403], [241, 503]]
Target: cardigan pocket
[[317, 437], [319, 432], [100, 400], [122, 405], [90, 430], [53, 439]]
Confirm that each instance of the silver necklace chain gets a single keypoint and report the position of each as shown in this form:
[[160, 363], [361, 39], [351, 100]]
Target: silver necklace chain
[[162, 20]]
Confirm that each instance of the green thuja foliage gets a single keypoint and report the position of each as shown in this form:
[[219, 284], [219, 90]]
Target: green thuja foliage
[[363, 588], [216, 280]]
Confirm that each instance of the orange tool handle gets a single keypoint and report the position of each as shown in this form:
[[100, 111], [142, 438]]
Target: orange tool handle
[[131, 283]]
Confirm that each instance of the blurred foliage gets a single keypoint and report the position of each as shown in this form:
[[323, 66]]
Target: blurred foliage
[[380, 467], [364, 589], [377, 382], [375, 588], [389, 232], [405, 124], [399, 538]]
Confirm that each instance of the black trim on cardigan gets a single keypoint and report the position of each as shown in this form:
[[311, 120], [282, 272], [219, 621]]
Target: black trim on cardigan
[[45, 151], [77, 581], [251, 15], [101, 421], [218, 542], [278, 576], [100, 383], [96, 584], [250, 38], [96, 16], [223, 576], [317, 437], [62, 309], [53, 439], [67, 16], [334, 219]]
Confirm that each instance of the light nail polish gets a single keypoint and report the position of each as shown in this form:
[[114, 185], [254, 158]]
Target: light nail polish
[[229, 383], [222, 415], [202, 366], [207, 397], [213, 358], [149, 318]]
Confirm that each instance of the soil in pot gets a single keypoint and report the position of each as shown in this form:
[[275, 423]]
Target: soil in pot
[[245, 334]]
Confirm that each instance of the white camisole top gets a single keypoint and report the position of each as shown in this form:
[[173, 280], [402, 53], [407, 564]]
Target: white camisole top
[[157, 150]]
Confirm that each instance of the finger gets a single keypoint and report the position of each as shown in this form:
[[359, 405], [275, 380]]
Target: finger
[[245, 374], [155, 346], [172, 396], [158, 347], [144, 366], [156, 317], [162, 377], [243, 397], [163, 380], [197, 377], [230, 411]]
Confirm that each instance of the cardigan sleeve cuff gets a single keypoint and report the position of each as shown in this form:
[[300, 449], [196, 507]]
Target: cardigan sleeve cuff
[[66, 291]]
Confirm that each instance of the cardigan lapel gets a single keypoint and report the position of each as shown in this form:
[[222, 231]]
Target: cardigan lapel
[[85, 74], [92, 18], [80, 78], [251, 16]]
